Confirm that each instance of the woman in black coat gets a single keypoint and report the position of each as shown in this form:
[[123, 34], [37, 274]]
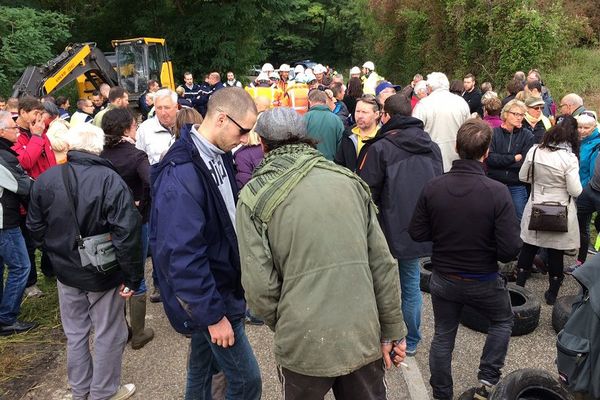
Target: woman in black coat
[[132, 164]]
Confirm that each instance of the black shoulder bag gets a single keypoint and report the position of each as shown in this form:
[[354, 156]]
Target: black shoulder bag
[[97, 253], [549, 216]]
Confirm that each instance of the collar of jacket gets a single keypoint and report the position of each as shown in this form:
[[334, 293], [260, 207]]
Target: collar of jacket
[[85, 158], [400, 122], [6, 144], [320, 107], [467, 167]]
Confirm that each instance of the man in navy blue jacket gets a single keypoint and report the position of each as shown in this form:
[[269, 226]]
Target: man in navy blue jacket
[[195, 248]]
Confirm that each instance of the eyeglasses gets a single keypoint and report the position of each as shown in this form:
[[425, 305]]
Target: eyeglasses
[[243, 131], [563, 105], [589, 114], [516, 114]]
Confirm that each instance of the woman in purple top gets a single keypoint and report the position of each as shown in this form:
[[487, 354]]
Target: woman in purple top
[[247, 159], [492, 106]]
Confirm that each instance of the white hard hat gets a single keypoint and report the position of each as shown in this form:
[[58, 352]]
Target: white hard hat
[[300, 78], [263, 76], [274, 74], [369, 65], [309, 77], [267, 68], [298, 69], [319, 69], [355, 71], [284, 68]]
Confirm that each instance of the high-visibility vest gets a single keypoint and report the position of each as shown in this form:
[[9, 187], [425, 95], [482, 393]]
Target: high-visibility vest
[[296, 98], [270, 92]]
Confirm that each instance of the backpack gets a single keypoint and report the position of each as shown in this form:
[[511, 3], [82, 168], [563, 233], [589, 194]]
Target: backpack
[[578, 343]]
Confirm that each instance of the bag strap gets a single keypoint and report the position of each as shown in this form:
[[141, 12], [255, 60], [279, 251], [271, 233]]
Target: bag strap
[[533, 175], [67, 183]]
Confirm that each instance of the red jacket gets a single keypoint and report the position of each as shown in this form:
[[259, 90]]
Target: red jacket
[[34, 153]]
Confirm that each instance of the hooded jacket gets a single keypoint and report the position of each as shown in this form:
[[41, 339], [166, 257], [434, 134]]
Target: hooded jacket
[[14, 186], [193, 240], [501, 160], [588, 152], [103, 203], [397, 165]]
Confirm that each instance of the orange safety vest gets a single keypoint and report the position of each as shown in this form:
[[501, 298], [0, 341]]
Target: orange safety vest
[[297, 98], [270, 92]]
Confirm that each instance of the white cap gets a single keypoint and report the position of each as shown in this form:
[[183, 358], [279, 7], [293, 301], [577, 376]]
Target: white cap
[[355, 71], [263, 76], [274, 75], [298, 69], [309, 77], [284, 68], [319, 69], [369, 65], [267, 68]]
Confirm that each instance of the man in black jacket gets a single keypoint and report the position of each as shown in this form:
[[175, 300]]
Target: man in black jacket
[[14, 188], [396, 166], [465, 258], [89, 299]]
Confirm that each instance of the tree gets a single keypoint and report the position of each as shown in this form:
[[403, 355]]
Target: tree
[[28, 37]]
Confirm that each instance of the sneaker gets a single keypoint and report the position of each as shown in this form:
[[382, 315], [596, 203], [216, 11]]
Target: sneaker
[[17, 327], [33, 291], [155, 296], [592, 249], [411, 353], [124, 392], [570, 269]]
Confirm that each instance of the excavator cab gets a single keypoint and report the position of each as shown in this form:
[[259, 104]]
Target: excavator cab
[[139, 60]]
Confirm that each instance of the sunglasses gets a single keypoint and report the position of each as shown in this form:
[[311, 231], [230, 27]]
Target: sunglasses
[[243, 131], [589, 114], [536, 107]]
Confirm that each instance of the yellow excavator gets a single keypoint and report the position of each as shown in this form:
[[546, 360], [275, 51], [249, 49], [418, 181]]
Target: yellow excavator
[[134, 62]]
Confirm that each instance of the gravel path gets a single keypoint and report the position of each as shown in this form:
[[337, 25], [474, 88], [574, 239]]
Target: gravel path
[[159, 369]]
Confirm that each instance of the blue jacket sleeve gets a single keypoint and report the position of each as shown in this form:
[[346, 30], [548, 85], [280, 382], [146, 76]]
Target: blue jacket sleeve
[[181, 245]]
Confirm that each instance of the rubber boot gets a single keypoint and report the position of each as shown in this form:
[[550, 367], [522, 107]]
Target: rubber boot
[[552, 292], [522, 275], [137, 316]]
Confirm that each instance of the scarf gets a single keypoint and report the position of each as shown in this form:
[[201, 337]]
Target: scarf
[[278, 174], [533, 122]]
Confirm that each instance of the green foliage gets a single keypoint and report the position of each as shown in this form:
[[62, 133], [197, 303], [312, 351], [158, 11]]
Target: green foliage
[[27, 37]]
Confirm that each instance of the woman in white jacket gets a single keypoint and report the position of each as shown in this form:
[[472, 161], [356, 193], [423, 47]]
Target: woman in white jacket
[[557, 180]]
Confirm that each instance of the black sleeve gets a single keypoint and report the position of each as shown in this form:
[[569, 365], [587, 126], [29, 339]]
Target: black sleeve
[[506, 227], [372, 171], [420, 224]]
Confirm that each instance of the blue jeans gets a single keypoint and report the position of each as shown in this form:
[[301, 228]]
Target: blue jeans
[[448, 296], [412, 300], [519, 198], [237, 363], [145, 240], [14, 253]]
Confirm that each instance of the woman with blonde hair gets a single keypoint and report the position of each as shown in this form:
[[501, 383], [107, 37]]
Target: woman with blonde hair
[[58, 133]]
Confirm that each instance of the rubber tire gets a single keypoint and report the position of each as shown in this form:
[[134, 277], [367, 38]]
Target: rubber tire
[[561, 311], [526, 314], [532, 384], [425, 273], [468, 395]]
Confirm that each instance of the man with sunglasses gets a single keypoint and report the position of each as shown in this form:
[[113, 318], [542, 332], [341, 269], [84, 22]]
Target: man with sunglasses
[[195, 248], [535, 121]]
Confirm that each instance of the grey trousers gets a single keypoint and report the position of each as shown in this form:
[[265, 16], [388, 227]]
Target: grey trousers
[[97, 377]]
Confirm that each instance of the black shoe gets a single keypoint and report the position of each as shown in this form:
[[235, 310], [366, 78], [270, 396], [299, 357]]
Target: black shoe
[[17, 327], [481, 393], [155, 296]]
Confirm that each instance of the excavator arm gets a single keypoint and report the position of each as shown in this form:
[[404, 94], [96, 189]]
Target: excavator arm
[[78, 59]]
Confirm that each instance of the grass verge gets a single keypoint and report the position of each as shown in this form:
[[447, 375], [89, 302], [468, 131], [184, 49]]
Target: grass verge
[[22, 356]]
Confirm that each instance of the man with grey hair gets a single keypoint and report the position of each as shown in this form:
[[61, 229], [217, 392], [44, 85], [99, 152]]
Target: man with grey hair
[[571, 104], [323, 125], [14, 189], [195, 249], [314, 266], [82, 198], [442, 114], [154, 137]]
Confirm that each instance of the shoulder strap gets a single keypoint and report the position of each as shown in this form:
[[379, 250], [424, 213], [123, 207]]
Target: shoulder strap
[[533, 175], [65, 177]]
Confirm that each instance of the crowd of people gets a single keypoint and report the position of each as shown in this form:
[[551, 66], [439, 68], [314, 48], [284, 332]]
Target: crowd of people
[[303, 201]]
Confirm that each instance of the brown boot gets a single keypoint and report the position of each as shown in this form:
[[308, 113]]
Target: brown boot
[[137, 316]]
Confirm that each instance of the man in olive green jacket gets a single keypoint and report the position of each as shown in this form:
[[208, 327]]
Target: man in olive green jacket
[[316, 268]]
